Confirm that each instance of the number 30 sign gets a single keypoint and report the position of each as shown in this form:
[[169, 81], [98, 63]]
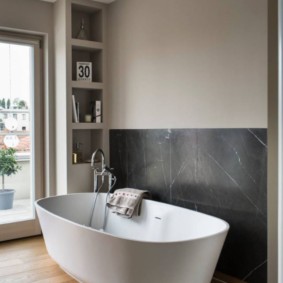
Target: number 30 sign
[[84, 71]]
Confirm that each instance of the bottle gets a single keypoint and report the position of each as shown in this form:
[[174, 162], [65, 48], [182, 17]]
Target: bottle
[[77, 154], [74, 158]]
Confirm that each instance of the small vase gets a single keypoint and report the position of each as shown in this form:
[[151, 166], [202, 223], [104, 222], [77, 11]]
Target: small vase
[[6, 199], [82, 33]]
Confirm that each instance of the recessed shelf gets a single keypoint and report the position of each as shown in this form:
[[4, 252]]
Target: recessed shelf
[[85, 163], [87, 85], [92, 22], [87, 55], [86, 101], [85, 141], [79, 44], [87, 126]]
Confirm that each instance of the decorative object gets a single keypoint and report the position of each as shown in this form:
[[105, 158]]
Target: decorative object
[[98, 111], [84, 71], [75, 114], [82, 33], [74, 158], [88, 118], [78, 110], [77, 156], [8, 166]]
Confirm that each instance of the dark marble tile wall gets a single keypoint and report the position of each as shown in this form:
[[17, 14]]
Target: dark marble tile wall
[[221, 172]]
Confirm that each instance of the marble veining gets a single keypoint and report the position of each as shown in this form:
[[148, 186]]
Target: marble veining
[[221, 172]]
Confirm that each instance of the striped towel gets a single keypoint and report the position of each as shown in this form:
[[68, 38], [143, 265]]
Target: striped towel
[[127, 202]]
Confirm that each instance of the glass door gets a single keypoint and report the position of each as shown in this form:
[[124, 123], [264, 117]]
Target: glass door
[[21, 132]]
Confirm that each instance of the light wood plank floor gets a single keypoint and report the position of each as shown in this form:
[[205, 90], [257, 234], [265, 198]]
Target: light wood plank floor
[[27, 261]]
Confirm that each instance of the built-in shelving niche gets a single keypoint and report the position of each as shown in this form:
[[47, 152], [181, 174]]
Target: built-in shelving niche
[[93, 56], [85, 142], [92, 21], [86, 99], [81, 138]]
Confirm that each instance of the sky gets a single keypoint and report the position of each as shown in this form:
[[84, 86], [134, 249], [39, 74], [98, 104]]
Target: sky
[[15, 71]]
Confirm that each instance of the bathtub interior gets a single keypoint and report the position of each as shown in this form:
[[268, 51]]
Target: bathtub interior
[[74, 207], [158, 222]]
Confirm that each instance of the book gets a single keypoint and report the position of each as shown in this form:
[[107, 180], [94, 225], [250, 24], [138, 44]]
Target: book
[[78, 110], [75, 114], [98, 111]]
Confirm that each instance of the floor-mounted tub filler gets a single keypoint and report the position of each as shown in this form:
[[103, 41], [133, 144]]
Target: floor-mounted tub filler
[[165, 244]]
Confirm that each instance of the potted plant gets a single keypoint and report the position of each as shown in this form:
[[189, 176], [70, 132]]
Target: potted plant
[[8, 166]]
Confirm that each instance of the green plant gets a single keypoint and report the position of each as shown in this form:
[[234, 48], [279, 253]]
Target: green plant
[[8, 163]]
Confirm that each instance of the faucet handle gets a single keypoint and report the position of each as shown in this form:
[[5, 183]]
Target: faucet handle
[[110, 170]]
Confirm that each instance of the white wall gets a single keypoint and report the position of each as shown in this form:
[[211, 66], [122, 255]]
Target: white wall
[[187, 63], [32, 15], [37, 17]]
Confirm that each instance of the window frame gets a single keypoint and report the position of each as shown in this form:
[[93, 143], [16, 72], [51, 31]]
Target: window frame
[[31, 227]]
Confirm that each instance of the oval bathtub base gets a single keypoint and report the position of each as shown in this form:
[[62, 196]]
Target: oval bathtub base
[[165, 244], [70, 274]]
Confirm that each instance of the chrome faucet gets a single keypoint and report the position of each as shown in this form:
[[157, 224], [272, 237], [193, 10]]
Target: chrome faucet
[[92, 164], [98, 171], [102, 171]]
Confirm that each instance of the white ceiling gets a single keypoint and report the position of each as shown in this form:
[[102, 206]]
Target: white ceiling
[[101, 1]]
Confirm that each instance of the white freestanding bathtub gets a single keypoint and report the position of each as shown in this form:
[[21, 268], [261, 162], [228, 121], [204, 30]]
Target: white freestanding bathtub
[[165, 244]]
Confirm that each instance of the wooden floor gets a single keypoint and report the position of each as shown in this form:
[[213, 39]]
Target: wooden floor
[[26, 261]]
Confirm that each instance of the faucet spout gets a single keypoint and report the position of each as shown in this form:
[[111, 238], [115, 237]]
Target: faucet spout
[[92, 164]]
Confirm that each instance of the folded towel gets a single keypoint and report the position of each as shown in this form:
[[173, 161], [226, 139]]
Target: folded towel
[[127, 202]]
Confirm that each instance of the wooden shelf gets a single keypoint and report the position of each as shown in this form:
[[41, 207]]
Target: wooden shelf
[[78, 44], [84, 163], [87, 126], [86, 85]]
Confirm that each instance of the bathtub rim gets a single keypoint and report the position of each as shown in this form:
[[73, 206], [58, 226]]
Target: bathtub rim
[[225, 230]]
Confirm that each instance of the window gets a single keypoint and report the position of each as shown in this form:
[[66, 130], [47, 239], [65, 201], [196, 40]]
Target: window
[[21, 123], [15, 91]]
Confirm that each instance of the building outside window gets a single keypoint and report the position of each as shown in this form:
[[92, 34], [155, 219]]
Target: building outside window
[[15, 92]]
